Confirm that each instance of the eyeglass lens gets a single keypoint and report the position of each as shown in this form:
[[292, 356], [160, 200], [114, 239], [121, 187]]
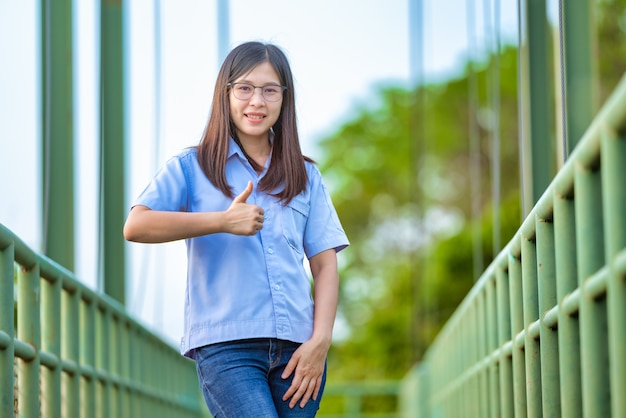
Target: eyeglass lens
[[245, 91]]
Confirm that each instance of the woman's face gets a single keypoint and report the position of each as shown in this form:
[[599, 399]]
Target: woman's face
[[253, 117]]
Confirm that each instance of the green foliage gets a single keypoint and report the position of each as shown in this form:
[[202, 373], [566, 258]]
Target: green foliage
[[400, 185], [400, 175], [449, 274], [611, 21]]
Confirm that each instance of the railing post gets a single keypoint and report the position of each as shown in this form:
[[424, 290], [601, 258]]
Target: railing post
[[114, 365], [71, 350], [614, 193], [532, 357], [125, 349], [51, 344], [29, 331], [7, 331], [483, 352], [505, 376], [566, 283], [103, 365], [414, 402], [473, 358], [517, 325], [136, 370], [492, 338], [87, 356], [592, 313], [549, 349]]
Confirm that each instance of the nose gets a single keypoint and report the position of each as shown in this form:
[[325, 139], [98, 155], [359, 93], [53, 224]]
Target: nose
[[257, 95]]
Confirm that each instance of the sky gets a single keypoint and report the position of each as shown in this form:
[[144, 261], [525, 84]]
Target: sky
[[341, 53]]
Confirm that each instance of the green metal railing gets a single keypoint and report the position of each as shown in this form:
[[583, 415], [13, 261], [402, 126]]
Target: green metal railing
[[543, 331], [70, 351], [355, 396], [77, 353]]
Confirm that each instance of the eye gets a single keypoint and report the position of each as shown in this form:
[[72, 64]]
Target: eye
[[272, 91], [244, 88]]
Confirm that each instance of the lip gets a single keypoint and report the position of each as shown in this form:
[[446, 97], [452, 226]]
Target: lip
[[255, 117]]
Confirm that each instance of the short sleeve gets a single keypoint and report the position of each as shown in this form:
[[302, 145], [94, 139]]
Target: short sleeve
[[168, 189], [323, 230]]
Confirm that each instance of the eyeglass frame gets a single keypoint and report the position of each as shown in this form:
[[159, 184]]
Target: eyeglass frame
[[282, 88]]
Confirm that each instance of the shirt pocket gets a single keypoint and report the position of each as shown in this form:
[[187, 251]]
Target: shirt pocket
[[294, 218]]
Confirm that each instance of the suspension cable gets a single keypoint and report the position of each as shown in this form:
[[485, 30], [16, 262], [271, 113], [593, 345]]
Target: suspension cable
[[417, 147], [158, 134], [47, 130], [150, 262], [495, 150], [563, 92], [474, 144], [520, 106]]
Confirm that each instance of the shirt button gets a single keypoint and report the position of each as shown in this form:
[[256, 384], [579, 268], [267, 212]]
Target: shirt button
[[277, 287], [271, 251]]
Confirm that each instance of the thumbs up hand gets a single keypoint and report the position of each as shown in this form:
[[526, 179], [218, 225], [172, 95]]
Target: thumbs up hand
[[243, 218]]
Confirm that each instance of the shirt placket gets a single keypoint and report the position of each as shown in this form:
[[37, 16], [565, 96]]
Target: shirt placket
[[270, 235]]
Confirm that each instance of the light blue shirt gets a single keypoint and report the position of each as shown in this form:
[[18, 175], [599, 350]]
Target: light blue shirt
[[247, 286]]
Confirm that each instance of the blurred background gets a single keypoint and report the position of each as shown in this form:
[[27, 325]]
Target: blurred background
[[410, 109]]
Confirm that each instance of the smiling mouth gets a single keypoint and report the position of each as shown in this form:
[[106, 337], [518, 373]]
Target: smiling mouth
[[254, 116]]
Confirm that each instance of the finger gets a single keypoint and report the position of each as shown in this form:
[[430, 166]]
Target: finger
[[309, 391], [245, 194], [292, 392], [300, 394], [292, 388], [318, 386], [303, 395], [289, 368]]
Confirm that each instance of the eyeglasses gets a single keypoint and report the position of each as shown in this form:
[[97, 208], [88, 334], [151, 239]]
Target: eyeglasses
[[270, 92]]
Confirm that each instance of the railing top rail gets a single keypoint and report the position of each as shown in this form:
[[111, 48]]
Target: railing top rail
[[52, 271], [610, 118]]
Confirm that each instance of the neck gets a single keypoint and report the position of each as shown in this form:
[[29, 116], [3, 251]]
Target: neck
[[256, 149]]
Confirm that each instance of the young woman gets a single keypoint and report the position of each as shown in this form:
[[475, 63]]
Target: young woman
[[250, 207]]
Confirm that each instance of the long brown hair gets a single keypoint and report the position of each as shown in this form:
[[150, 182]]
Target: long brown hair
[[287, 172]]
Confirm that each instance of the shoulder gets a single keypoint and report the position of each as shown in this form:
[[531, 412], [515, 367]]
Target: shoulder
[[185, 159], [312, 170], [187, 154], [315, 181]]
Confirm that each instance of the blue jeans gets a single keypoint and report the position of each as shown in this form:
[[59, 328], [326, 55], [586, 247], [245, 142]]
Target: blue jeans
[[242, 379]]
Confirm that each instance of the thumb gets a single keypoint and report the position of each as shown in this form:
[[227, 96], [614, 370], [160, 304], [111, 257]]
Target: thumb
[[245, 194]]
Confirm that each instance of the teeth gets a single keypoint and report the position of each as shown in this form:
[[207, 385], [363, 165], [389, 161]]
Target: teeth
[[255, 117]]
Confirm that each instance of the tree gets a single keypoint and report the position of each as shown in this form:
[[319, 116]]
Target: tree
[[401, 187], [401, 278]]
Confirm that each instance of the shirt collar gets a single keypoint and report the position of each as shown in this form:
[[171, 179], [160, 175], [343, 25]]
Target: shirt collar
[[234, 148]]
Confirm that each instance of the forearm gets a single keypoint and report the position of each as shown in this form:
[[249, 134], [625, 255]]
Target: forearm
[[309, 359], [326, 280], [151, 226]]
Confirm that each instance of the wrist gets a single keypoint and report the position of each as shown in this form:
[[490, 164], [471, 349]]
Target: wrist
[[322, 339], [220, 222]]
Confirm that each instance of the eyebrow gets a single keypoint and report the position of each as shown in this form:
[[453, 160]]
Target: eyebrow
[[271, 83]]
